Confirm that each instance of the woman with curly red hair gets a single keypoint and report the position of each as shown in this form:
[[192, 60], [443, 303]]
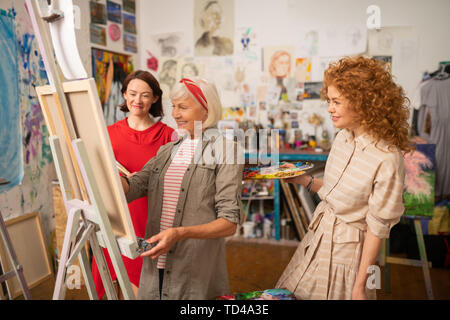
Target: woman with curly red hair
[[362, 188]]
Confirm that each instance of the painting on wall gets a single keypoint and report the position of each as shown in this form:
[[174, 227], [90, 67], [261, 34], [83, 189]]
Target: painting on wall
[[129, 6], [109, 70], [214, 27], [129, 23], [420, 181], [98, 13], [130, 43], [114, 11], [97, 34], [11, 158]]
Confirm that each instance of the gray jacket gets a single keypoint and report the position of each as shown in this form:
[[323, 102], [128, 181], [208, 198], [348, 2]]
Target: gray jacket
[[195, 268]]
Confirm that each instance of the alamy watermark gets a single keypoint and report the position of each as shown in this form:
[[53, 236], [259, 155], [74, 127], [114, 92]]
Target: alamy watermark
[[233, 146]]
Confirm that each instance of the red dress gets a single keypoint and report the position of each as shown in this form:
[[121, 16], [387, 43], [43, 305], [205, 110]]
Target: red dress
[[133, 149]]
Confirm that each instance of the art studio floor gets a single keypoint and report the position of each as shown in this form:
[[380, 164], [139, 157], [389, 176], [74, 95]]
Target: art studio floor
[[257, 265]]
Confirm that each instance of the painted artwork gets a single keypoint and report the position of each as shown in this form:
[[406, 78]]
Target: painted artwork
[[130, 43], [312, 90], [11, 159], [105, 64], [129, 6], [171, 44], [246, 43], [114, 11], [98, 13], [32, 194], [97, 34], [129, 23], [303, 69], [420, 181], [214, 27]]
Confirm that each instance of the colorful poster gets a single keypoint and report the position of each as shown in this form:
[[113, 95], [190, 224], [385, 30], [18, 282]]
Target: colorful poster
[[97, 34], [11, 156], [98, 13], [103, 65], [312, 90], [129, 6], [420, 181], [130, 43], [213, 27], [129, 23], [114, 11]]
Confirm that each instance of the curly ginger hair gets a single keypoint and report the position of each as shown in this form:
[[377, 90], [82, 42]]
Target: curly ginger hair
[[381, 105]]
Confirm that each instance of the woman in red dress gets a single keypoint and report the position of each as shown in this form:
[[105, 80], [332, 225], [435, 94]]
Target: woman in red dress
[[135, 140]]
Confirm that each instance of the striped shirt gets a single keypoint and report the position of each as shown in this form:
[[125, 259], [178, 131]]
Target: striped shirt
[[362, 190], [172, 184]]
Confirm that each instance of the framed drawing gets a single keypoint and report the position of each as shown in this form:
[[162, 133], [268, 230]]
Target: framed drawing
[[31, 250], [88, 123]]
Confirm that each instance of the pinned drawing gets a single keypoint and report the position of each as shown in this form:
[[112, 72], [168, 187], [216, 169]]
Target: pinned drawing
[[214, 27], [167, 75], [278, 62], [171, 44]]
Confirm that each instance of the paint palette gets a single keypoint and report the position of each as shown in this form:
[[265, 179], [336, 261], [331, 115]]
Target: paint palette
[[278, 171]]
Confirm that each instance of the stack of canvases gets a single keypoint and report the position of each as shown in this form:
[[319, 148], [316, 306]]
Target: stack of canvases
[[433, 100], [296, 209]]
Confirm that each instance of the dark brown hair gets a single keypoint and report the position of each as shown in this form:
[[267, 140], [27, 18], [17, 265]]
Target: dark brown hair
[[156, 110]]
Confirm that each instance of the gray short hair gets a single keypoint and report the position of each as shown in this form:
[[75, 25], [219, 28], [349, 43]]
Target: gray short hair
[[180, 92]]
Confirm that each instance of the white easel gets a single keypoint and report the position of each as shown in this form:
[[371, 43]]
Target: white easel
[[87, 219]]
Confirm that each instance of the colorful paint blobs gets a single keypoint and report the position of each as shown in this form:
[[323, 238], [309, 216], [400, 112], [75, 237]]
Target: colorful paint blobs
[[419, 181], [303, 69], [11, 160]]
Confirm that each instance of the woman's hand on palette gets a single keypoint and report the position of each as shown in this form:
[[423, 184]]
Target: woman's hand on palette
[[165, 239], [303, 179]]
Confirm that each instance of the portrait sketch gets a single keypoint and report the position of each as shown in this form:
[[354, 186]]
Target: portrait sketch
[[167, 75], [278, 64], [214, 27]]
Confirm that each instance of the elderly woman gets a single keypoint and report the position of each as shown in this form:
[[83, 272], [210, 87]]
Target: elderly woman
[[194, 202]]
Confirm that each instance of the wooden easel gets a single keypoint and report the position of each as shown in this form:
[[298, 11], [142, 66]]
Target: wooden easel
[[87, 217], [385, 260], [18, 270]]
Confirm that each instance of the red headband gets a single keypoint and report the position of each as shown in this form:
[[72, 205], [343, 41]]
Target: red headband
[[196, 91]]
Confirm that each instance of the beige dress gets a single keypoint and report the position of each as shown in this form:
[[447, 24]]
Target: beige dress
[[362, 188]]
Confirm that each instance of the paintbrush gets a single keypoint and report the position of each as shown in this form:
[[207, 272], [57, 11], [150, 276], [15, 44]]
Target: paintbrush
[[122, 168]]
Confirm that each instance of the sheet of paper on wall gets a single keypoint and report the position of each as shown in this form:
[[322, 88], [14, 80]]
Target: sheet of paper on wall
[[278, 61], [303, 69], [246, 44], [306, 43], [319, 65], [189, 67], [273, 95], [342, 40], [214, 27], [172, 44]]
